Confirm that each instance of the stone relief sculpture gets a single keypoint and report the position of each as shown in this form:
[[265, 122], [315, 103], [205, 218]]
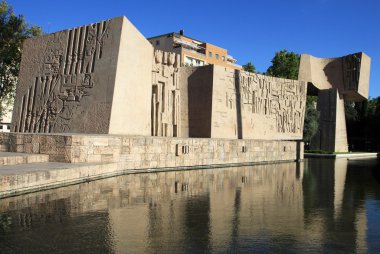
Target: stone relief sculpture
[[280, 100], [165, 94], [63, 79], [253, 106]]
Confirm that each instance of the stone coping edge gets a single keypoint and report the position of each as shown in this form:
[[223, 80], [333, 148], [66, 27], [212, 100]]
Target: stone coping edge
[[339, 156], [119, 172]]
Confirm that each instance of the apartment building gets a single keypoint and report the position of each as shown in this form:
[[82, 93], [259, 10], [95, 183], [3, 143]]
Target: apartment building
[[193, 52]]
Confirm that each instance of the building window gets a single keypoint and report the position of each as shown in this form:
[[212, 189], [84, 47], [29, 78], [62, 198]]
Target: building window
[[209, 54], [217, 56], [157, 43], [223, 58], [8, 127], [189, 61]]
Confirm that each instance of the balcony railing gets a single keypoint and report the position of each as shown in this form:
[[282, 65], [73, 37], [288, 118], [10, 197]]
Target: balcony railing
[[194, 52]]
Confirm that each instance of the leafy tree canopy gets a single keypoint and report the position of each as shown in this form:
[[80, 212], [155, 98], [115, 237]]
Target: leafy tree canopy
[[284, 65], [13, 31], [249, 67]]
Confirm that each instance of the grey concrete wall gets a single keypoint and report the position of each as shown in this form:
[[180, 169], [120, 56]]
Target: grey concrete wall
[[184, 75], [200, 99]]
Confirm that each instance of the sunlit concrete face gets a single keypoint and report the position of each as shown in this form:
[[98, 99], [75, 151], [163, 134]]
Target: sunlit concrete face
[[336, 79]]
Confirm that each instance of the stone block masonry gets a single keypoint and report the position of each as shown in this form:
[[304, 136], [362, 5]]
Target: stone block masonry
[[136, 152]]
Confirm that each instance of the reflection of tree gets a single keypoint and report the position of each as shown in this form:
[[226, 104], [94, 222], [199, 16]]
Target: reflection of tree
[[318, 187], [343, 229], [5, 223]]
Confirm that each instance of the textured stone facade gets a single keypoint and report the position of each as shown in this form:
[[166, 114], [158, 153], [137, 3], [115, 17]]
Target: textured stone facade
[[245, 105], [151, 152], [166, 99]]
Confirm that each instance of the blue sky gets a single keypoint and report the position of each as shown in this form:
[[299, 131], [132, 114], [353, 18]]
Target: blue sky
[[250, 30]]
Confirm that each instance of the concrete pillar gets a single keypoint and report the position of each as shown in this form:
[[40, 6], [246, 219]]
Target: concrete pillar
[[332, 135]]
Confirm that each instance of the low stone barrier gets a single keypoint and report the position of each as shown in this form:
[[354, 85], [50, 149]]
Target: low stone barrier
[[150, 152]]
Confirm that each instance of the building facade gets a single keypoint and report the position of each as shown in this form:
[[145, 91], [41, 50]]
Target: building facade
[[5, 121], [193, 52]]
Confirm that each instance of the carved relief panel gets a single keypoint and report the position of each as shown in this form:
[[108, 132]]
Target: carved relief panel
[[165, 94], [273, 106], [351, 71], [57, 74]]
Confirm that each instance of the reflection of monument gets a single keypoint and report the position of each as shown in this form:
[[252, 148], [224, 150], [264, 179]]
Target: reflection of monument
[[306, 206], [335, 80]]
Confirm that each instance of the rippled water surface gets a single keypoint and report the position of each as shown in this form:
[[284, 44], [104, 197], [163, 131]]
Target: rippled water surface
[[315, 206]]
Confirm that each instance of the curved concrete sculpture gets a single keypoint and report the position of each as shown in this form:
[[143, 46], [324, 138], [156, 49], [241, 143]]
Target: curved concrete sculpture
[[335, 80]]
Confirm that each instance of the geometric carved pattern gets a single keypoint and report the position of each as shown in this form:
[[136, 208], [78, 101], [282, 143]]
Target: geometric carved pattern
[[165, 94], [63, 79], [351, 71], [281, 100]]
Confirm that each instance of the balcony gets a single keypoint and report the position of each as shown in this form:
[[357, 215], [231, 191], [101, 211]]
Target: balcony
[[231, 59], [194, 52]]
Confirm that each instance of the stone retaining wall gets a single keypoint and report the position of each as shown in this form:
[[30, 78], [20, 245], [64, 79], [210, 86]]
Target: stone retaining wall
[[149, 152]]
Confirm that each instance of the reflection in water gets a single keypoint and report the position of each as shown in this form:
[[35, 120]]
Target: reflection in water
[[317, 205]]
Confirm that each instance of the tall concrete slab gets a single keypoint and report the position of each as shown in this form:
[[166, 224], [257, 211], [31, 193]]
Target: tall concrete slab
[[85, 80]]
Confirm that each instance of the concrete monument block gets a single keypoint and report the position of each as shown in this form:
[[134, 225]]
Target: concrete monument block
[[348, 74], [335, 80], [87, 79], [244, 105]]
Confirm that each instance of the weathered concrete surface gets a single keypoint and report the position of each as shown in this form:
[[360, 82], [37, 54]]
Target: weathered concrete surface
[[79, 80], [336, 80]]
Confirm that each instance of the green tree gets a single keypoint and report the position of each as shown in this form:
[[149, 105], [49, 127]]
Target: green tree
[[284, 65], [311, 119], [249, 67], [13, 31], [350, 111]]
